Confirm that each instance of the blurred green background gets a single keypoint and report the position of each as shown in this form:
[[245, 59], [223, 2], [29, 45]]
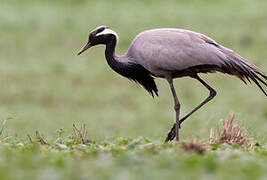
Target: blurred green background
[[45, 86]]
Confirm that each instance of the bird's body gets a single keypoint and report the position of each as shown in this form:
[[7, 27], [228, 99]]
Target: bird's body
[[161, 53], [171, 53], [168, 51]]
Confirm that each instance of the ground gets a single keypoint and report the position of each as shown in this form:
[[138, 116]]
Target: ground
[[46, 87]]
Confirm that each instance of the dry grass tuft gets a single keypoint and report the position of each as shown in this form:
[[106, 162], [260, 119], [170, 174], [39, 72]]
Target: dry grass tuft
[[39, 138], [193, 147], [2, 127], [230, 133], [79, 134]]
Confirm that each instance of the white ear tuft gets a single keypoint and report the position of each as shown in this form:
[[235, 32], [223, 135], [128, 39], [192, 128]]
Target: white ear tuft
[[108, 31]]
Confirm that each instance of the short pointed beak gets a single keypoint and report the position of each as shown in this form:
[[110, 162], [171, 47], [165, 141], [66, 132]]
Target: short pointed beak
[[87, 46]]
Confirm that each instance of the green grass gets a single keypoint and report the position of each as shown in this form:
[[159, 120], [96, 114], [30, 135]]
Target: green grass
[[126, 158], [46, 87]]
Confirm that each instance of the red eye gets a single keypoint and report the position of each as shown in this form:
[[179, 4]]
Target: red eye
[[91, 37]]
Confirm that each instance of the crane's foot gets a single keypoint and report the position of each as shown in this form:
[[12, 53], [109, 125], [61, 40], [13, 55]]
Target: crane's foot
[[172, 133]]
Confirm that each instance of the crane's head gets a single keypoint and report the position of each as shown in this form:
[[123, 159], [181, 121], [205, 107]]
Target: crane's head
[[100, 35]]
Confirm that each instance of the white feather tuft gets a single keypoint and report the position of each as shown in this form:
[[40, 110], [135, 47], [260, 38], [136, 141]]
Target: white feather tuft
[[108, 31]]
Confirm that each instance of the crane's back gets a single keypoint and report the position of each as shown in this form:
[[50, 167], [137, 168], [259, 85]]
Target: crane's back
[[168, 49]]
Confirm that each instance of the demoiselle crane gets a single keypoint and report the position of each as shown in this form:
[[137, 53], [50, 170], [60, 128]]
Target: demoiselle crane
[[173, 53]]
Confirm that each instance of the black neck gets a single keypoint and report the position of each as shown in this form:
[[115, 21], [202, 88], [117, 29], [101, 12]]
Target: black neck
[[133, 71], [113, 60], [110, 53]]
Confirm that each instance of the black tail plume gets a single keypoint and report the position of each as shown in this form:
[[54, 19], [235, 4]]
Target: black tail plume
[[236, 65], [245, 71]]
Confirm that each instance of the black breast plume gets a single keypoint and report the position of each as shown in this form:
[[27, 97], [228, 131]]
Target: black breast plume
[[140, 75]]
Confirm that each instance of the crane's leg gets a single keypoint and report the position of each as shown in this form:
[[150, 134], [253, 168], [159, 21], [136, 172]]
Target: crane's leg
[[171, 134], [210, 97], [177, 110]]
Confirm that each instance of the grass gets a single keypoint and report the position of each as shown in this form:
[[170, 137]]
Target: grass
[[69, 157], [45, 87]]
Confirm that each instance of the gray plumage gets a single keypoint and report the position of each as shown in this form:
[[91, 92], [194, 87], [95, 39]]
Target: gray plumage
[[171, 53], [164, 51]]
